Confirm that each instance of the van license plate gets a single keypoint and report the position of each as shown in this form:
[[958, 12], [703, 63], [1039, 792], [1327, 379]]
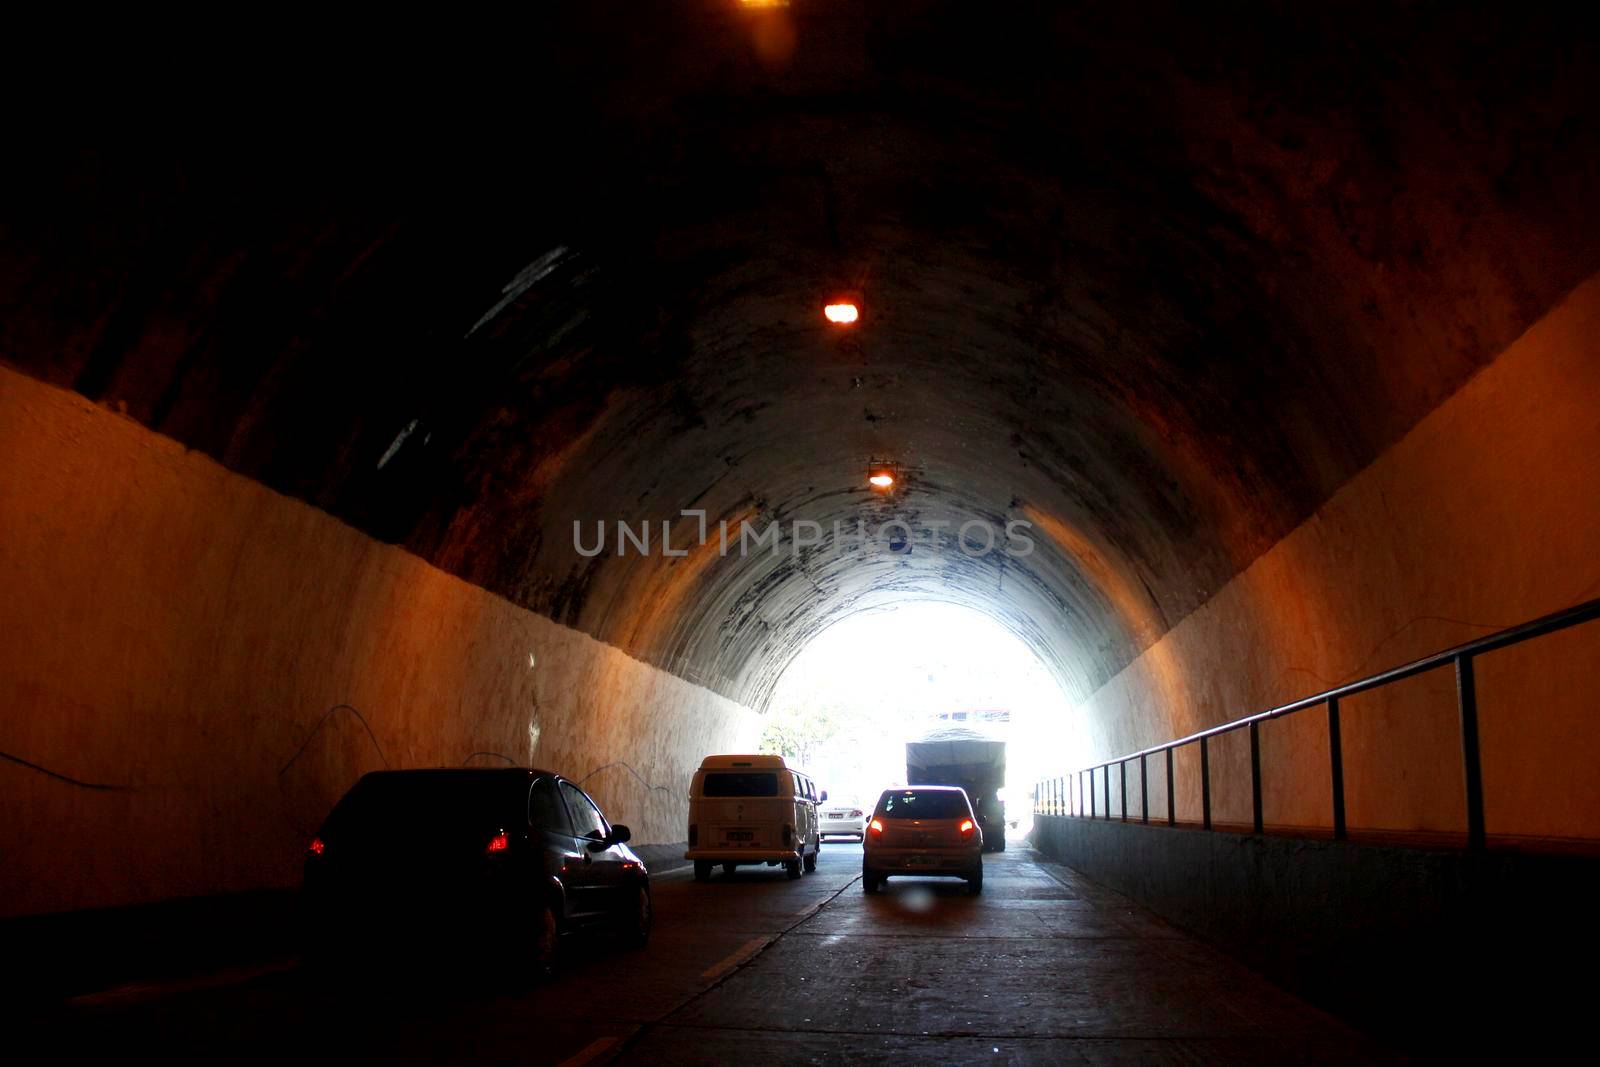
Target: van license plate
[[740, 835]]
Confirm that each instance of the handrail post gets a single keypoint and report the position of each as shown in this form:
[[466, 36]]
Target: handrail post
[[1122, 784], [1205, 783], [1107, 784], [1467, 696], [1336, 758], [1144, 790], [1255, 775], [1092, 812], [1080, 794], [1172, 801]]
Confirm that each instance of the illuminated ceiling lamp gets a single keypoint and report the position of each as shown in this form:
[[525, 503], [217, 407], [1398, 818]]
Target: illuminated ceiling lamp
[[841, 312], [881, 476]]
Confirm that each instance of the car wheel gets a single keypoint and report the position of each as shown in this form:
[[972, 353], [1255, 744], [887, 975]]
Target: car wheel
[[792, 869], [641, 918], [811, 861], [702, 870], [975, 882], [729, 868], [1001, 845], [870, 882]]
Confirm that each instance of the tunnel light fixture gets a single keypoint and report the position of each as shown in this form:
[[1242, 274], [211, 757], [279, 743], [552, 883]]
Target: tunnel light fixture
[[882, 475], [882, 480], [842, 313]]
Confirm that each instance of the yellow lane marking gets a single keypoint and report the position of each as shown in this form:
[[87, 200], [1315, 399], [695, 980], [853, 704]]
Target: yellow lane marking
[[589, 1052], [740, 954], [138, 991]]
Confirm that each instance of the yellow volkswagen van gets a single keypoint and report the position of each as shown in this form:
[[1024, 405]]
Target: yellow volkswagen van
[[752, 809]]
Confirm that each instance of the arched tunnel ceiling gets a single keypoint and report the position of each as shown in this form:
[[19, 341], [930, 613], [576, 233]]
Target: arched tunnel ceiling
[[1155, 279]]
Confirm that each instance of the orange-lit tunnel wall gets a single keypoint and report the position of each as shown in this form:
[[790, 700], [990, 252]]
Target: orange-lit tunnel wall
[[1483, 516], [178, 629]]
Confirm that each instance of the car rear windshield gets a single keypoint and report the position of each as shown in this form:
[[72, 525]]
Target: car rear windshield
[[740, 784], [923, 804], [444, 799]]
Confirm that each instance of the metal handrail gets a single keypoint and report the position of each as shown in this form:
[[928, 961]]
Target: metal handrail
[[1460, 656]]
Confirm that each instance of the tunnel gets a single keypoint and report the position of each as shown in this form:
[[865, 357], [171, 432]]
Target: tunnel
[[388, 396]]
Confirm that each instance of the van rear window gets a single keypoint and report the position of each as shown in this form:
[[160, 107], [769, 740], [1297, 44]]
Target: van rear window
[[740, 784]]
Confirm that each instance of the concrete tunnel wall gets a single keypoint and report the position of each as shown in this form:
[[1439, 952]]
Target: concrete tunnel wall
[[174, 627], [1483, 516]]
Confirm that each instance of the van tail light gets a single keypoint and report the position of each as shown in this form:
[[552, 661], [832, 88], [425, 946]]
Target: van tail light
[[316, 848], [875, 827], [694, 834], [966, 828], [498, 843]]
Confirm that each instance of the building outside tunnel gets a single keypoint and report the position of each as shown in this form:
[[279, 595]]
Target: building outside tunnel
[[537, 395]]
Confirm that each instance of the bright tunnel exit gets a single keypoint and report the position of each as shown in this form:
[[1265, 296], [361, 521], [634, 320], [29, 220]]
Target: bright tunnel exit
[[849, 703]]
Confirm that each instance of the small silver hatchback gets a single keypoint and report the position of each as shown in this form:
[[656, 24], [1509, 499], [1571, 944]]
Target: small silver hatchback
[[923, 830]]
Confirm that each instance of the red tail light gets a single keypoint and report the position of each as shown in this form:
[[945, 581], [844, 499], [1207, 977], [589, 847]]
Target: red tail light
[[316, 848], [857, 813], [966, 828], [875, 826], [499, 842]]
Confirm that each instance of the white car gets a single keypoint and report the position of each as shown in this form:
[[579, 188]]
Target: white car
[[842, 818]]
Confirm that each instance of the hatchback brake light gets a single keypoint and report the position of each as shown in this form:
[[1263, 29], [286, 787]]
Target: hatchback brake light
[[316, 848], [966, 827], [499, 842], [875, 826]]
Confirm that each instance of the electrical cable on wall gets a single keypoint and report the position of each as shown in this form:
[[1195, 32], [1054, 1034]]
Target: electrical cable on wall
[[497, 755], [630, 770], [325, 717], [99, 787]]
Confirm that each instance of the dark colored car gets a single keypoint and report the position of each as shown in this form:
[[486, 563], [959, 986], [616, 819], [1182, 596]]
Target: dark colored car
[[471, 859]]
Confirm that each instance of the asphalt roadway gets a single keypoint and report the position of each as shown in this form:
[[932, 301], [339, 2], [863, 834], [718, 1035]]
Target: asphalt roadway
[[1043, 967]]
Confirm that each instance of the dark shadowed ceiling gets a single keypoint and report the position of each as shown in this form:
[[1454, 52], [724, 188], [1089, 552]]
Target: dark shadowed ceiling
[[1156, 279]]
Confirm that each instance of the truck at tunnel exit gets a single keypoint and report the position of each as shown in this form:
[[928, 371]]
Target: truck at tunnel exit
[[975, 760]]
